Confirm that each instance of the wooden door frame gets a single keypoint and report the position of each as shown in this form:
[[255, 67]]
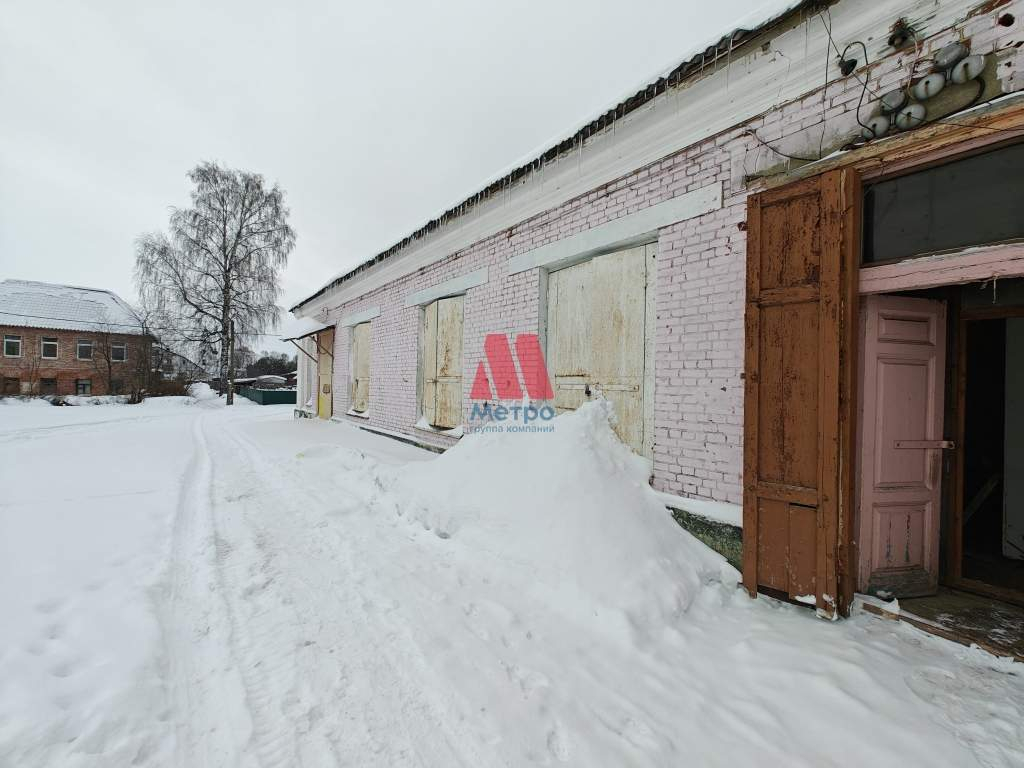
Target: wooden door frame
[[954, 541], [982, 129], [945, 144]]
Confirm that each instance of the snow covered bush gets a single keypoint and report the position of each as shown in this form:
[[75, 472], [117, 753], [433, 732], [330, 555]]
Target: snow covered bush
[[201, 391]]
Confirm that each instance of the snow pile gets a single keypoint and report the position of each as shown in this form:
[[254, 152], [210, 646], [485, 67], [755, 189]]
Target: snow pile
[[29, 401], [95, 400], [571, 511], [201, 391]]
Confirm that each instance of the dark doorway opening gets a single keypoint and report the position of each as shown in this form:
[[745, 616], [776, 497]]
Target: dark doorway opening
[[992, 502]]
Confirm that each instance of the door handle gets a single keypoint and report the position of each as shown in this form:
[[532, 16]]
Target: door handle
[[945, 445], [586, 390]]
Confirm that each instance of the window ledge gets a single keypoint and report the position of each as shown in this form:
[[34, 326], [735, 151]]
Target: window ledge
[[970, 265]]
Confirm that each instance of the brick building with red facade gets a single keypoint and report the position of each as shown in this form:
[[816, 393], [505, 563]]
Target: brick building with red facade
[[67, 340]]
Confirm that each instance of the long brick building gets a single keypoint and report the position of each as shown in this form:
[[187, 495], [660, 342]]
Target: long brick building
[[67, 340], [708, 255]]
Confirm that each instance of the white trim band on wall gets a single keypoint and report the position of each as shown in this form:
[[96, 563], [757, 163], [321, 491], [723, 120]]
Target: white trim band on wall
[[623, 232], [359, 317], [454, 287]]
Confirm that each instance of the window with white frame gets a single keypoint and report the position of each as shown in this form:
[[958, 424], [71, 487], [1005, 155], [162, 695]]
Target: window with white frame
[[48, 348], [12, 346], [118, 352], [83, 386], [84, 351]]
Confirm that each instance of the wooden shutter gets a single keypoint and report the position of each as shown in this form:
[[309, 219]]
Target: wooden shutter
[[798, 343], [325, 373], [569, 335], [448, 412], [360, 361], [597, 336], [618, 321], [442, 362], [428, 358]]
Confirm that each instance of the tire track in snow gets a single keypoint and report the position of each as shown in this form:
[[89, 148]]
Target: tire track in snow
[[205, 696], [260, 641], [343, 682], [60, 430]]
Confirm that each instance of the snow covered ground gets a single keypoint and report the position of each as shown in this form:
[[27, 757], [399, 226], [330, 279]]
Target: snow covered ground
[[183, 584]]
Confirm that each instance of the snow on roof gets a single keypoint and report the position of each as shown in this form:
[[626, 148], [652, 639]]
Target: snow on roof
[[65, 307], [301, 327], [695, 60]]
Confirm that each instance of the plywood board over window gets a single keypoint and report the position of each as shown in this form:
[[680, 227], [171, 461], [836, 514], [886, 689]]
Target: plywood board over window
[[441, 363], [359, 359], [325, 367], [599, 338]]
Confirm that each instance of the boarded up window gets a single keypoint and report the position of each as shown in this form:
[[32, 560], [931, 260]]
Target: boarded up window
[[598, 337], [799, 283], [441, 363], [325, 367], [359, 359]]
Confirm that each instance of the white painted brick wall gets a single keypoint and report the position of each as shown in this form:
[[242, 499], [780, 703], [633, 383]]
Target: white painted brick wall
[[698, 404]]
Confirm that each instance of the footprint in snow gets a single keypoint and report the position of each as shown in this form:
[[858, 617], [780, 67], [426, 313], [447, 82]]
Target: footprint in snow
[[529, 681], [50, 606], [35, 649], [558, 744], [968, 699], [64, 669]]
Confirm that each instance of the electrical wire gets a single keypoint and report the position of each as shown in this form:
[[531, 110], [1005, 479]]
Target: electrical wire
[[753, 134], [866, 88]]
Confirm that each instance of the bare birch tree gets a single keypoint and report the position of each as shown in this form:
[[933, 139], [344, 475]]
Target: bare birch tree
[[215, 275]]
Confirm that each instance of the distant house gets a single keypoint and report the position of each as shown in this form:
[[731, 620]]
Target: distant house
[[67, 340]]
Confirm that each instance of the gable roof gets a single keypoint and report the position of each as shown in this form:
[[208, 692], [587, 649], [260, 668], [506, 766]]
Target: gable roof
[[768, 15], [30, 304]]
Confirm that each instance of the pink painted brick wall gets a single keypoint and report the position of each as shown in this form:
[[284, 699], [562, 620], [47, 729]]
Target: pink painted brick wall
[[698, 404]]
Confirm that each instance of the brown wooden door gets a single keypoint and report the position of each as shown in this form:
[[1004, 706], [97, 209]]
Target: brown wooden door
[[900, 483], [797, 320]]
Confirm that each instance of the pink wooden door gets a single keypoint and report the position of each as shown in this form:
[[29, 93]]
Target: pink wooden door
[[902, 400]]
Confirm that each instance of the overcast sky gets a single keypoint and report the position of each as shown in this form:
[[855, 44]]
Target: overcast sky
[[373, 117]]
